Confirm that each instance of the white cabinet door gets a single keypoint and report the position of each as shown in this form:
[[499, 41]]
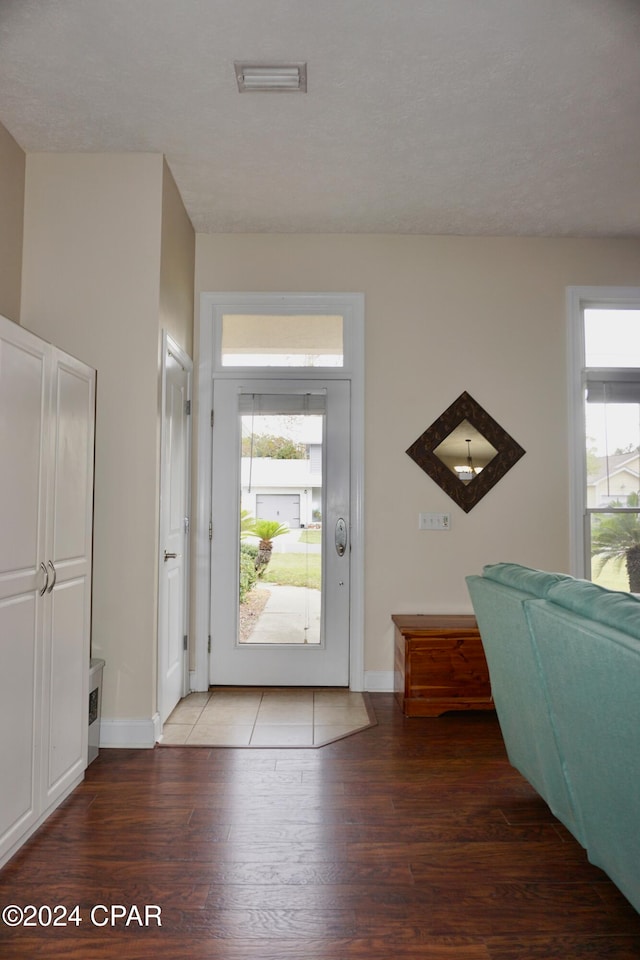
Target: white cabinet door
[[47, 403], [67, 603], [23, 416]]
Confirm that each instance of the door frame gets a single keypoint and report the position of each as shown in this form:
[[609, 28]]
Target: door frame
[[212, 305], [170, 347], [322, 663]]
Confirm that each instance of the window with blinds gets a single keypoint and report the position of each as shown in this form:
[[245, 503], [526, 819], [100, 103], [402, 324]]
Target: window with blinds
[[611, 391]]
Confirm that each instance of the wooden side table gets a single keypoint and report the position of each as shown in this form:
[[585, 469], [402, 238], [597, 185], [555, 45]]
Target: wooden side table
[[439, 665]]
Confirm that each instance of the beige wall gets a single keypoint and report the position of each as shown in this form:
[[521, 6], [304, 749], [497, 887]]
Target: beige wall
[[108, 253], [177, 266], [12, 172], [91, 284], [443, 315]]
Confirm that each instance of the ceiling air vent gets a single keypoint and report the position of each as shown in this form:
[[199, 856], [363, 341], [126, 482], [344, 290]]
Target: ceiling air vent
[[271, 77]]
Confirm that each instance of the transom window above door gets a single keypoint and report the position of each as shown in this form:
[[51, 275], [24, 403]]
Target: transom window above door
[[268, 340], [279, 335]]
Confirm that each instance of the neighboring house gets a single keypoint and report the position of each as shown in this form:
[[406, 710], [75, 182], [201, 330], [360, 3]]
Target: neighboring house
[[616, 477], [286, 490]]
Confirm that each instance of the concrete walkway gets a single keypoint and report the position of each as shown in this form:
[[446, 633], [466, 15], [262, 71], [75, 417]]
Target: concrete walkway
[[291, 615]]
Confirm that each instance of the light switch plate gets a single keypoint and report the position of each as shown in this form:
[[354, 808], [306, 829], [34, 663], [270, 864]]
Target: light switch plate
[[434, 521]]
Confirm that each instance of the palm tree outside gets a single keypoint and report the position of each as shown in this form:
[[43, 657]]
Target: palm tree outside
[[616, 539], [267, 530]]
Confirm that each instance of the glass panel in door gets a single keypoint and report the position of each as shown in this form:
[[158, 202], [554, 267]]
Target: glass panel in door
[[280, 584], [281, 498]]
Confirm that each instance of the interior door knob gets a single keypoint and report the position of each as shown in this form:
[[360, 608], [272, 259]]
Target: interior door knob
[[171, 556]]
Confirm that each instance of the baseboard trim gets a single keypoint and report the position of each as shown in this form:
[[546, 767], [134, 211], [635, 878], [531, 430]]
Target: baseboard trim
[[139, 734], [378, 681]]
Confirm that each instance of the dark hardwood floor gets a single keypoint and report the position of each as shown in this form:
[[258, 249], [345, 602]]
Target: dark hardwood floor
[[414, 839]]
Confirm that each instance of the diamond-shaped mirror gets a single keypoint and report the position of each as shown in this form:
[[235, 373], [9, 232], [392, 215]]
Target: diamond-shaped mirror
[[465, 451]]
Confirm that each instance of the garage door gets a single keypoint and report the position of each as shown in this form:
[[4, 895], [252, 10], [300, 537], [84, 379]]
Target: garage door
[[283, 507]]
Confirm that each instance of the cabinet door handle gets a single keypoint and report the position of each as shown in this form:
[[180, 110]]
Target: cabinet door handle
[[55, 576], [46, 579]]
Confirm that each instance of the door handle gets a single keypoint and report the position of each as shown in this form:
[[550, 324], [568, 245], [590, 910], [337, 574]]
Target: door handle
[[55, 576], [171, 556], [43, 567], [341, 537]]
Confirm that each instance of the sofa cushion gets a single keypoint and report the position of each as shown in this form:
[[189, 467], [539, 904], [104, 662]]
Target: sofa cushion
[[526, 579], [591, 673], [517, 687], [609, 607]]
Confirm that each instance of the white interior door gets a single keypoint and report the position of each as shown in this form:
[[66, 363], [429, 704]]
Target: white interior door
[[277, 439], [174, 531]]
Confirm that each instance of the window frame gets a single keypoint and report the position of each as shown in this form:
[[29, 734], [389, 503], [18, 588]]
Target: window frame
[[580, 299], [349, 306], [212, 307]]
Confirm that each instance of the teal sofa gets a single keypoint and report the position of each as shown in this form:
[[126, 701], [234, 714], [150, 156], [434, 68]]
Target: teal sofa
[[564, 661]]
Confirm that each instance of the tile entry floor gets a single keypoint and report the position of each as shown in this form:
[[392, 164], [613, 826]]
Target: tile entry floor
[[266, 717]]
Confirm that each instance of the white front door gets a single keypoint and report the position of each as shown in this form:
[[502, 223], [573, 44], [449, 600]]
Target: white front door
[[174, 531], [278, 442]]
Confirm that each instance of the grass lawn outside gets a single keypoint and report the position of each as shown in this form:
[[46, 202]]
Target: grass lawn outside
[[613, 575], [295, 570]]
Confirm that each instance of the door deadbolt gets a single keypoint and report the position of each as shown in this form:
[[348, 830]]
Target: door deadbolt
[[341, 537]]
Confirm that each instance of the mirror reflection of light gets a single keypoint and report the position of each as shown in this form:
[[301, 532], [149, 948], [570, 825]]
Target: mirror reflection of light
[[465, 451], [466, 473]]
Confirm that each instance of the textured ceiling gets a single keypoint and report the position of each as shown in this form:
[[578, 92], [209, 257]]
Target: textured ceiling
[[422, 116]]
